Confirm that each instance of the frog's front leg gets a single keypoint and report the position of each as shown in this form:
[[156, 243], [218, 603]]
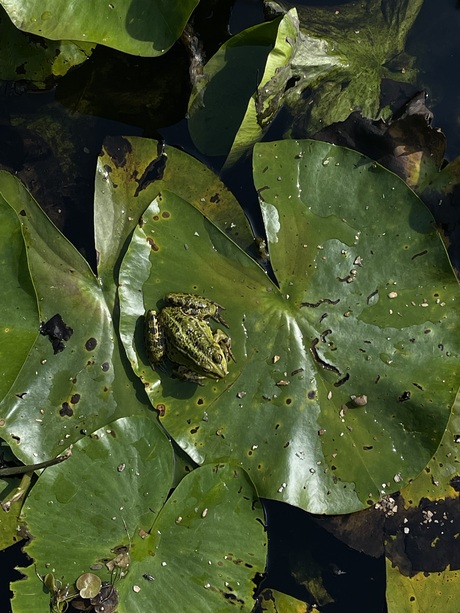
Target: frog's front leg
[[186, 374], [155, 341], [225, 343], [198, 306]]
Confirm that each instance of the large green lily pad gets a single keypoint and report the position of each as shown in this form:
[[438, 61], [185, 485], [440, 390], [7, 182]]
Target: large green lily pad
[[346, 371]]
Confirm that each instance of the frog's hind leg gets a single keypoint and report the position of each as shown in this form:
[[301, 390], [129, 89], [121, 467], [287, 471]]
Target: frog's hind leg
[[155, 341], [198, 306]]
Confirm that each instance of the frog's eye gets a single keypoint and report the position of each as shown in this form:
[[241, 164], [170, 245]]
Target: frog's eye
[[217, 357]]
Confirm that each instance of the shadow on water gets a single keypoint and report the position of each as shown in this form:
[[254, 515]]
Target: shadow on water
[[301, 551]]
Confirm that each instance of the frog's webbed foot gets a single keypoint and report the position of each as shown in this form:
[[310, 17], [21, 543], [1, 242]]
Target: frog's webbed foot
[[185, 374], [225, 343]]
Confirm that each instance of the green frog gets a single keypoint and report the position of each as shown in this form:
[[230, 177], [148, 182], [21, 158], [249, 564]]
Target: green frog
[[180, 332]]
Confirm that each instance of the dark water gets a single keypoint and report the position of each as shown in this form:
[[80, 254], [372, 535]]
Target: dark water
[[435, 42]]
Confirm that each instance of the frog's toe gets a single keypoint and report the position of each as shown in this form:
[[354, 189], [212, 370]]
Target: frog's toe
[[218, 317]]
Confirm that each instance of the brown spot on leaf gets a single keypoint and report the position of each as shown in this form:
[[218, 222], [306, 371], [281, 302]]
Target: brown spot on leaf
[[66, 410], [91, 344], [152, 243]]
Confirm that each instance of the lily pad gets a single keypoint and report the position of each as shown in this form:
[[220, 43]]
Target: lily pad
[[57, 397], [440, 479], [422, 592], [19, 313], [131, 172], [10, 532], [73, 378], [132, 26], [108, 512], [273, 601], [421, 533], [346, 370]]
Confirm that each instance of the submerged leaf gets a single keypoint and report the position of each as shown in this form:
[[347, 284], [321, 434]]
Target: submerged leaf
[[321, 70], [364, 43], [23, 57]]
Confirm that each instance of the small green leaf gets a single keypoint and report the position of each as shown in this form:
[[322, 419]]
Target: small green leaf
[[9, 523], [274, 601], [89, 585]]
